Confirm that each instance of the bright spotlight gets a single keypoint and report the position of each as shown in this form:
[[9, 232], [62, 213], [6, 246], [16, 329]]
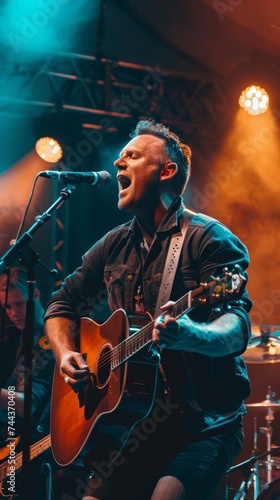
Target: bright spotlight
[[254, 100], [49, 149]]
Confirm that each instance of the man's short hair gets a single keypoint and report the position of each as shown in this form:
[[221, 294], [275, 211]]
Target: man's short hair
[[176, 150]]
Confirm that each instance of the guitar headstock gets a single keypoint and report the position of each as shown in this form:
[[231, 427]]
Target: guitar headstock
[[228, 284], [223, 287]]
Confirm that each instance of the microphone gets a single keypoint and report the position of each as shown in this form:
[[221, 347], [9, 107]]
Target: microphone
[[101, 179]]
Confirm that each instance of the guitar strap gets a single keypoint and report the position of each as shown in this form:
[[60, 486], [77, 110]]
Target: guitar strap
[[171, 262]]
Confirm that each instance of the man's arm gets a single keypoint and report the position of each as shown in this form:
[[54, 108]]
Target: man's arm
[[61, 334], [224, 336]]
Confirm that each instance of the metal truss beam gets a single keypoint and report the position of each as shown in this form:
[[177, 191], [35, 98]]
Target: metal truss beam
[[122, 91]]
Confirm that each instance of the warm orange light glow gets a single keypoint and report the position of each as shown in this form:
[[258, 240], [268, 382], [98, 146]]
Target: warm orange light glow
[[254, 100], [16, 182], [243, 192], [49, 149]]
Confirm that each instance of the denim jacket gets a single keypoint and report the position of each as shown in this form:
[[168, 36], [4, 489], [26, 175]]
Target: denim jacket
[[216, 386]]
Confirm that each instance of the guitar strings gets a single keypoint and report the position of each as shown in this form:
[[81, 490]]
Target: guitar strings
[[35, 450], [122, 348], [129, 342], [116, 351]]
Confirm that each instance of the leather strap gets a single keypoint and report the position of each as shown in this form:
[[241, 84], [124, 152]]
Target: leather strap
[[171, 263]]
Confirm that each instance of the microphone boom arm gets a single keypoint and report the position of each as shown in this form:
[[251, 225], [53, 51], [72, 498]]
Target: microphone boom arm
[[26, 237]]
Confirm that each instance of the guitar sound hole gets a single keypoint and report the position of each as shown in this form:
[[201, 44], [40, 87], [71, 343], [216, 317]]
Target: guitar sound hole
[[104, 366]]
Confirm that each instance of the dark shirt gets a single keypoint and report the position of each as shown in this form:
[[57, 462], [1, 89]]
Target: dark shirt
[[211, 388]]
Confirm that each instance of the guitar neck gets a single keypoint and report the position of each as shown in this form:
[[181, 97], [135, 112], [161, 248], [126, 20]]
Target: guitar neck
[[123, 351], [136, 341], [214, 292], [35, 450]]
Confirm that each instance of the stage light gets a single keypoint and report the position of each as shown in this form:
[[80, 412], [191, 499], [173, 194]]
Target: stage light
[[254, 100], [49, 149], [57, 136]]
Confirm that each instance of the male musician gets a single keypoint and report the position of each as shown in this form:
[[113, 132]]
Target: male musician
[[194, 432]]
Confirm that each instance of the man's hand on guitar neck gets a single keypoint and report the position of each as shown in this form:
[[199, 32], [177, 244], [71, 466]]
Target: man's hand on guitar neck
[[220, 337], [74, 370], [166, 330]]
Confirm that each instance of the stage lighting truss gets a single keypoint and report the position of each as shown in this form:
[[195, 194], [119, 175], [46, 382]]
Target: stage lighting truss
[[109, 93]]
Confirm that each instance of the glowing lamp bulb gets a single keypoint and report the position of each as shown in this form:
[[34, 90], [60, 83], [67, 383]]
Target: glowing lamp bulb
[[49, 149]]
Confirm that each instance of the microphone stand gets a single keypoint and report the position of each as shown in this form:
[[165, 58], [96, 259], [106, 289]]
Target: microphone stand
[[29, 258], [26, 237]]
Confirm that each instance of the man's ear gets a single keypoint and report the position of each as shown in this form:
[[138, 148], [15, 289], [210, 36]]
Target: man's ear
[[168, 170]]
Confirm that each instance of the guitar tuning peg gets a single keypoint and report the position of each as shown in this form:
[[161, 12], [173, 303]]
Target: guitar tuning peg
[[217, 310], [237, 267]]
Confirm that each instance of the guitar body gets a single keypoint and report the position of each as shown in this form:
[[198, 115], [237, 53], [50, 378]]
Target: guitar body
[[123, 364], [110, 398]]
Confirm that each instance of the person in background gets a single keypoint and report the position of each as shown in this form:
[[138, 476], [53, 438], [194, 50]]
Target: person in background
[[205, 379], [13, 297]]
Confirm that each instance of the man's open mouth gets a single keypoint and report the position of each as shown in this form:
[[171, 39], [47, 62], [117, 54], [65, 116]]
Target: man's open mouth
[[124, 182]]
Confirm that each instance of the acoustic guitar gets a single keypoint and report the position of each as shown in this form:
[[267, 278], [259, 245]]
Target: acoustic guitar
[[111, 351]]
